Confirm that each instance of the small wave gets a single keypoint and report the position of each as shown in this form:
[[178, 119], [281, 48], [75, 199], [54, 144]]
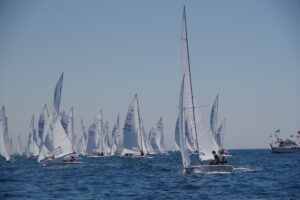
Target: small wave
[[245, 169]]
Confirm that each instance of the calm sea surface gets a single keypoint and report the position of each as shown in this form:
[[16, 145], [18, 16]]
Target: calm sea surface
[[258, 174]]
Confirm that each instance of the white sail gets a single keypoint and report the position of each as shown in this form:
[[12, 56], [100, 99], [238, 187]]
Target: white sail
[[132, 129], [82, 142], [95, 136], [220, 135], [4, 135], [32, 149], [117, 135], [58, 144], [19, 151], [183, 147], [177, 137], [189, 107], [156, 136], [100, 133], [197, 135], [57, 93], [67, 120], [214, 117], [107, 139], [44, 116], [206, 140], [147, 148]]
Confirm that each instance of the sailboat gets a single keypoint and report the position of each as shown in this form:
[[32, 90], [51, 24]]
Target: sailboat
[[56, 146], [4, 136], [67, 120], [146, 140], [82, 140], [32, 150], [117, 138], [95, 144], [156, 137], [193, 134], [132, 132], [107, 139]]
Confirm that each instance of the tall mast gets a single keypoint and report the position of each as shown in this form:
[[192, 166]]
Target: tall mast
[[185, 38]]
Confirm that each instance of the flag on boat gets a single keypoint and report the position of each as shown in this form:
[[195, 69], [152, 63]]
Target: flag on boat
[[278, 131], [298, 132]]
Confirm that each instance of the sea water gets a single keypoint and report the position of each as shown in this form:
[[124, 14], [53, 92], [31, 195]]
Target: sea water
[[258, 174]]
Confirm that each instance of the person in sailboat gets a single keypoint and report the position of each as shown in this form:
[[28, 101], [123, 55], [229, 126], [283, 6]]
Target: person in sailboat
[[142, 153], [216, 160], [222, 156]]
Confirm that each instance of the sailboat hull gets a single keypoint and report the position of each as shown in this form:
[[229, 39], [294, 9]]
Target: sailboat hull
[[208, 169], [285, 149]]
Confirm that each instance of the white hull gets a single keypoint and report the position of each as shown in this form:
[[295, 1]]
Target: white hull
[[285, 149], [132, 156], [208, 169], [59, 162]]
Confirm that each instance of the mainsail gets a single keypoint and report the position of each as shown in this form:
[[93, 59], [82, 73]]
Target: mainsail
[[177, 139], [132, 129], [214, 117], [117, 135], [183, 147], [145, 140], [95, 136], [82, 143], [4, 135], [32, 149], [220, 134], [156, 136], [67, 120], [44, 117], [57, 93], [107, 139]]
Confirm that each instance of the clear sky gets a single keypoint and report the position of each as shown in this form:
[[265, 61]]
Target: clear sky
[[247, 51]]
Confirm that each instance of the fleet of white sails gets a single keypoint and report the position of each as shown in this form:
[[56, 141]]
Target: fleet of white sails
[[56, 138]]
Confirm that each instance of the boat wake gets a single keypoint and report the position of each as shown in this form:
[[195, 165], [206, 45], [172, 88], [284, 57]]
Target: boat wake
[[245, 169]]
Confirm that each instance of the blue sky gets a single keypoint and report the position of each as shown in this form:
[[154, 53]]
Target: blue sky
[[247, 51]]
